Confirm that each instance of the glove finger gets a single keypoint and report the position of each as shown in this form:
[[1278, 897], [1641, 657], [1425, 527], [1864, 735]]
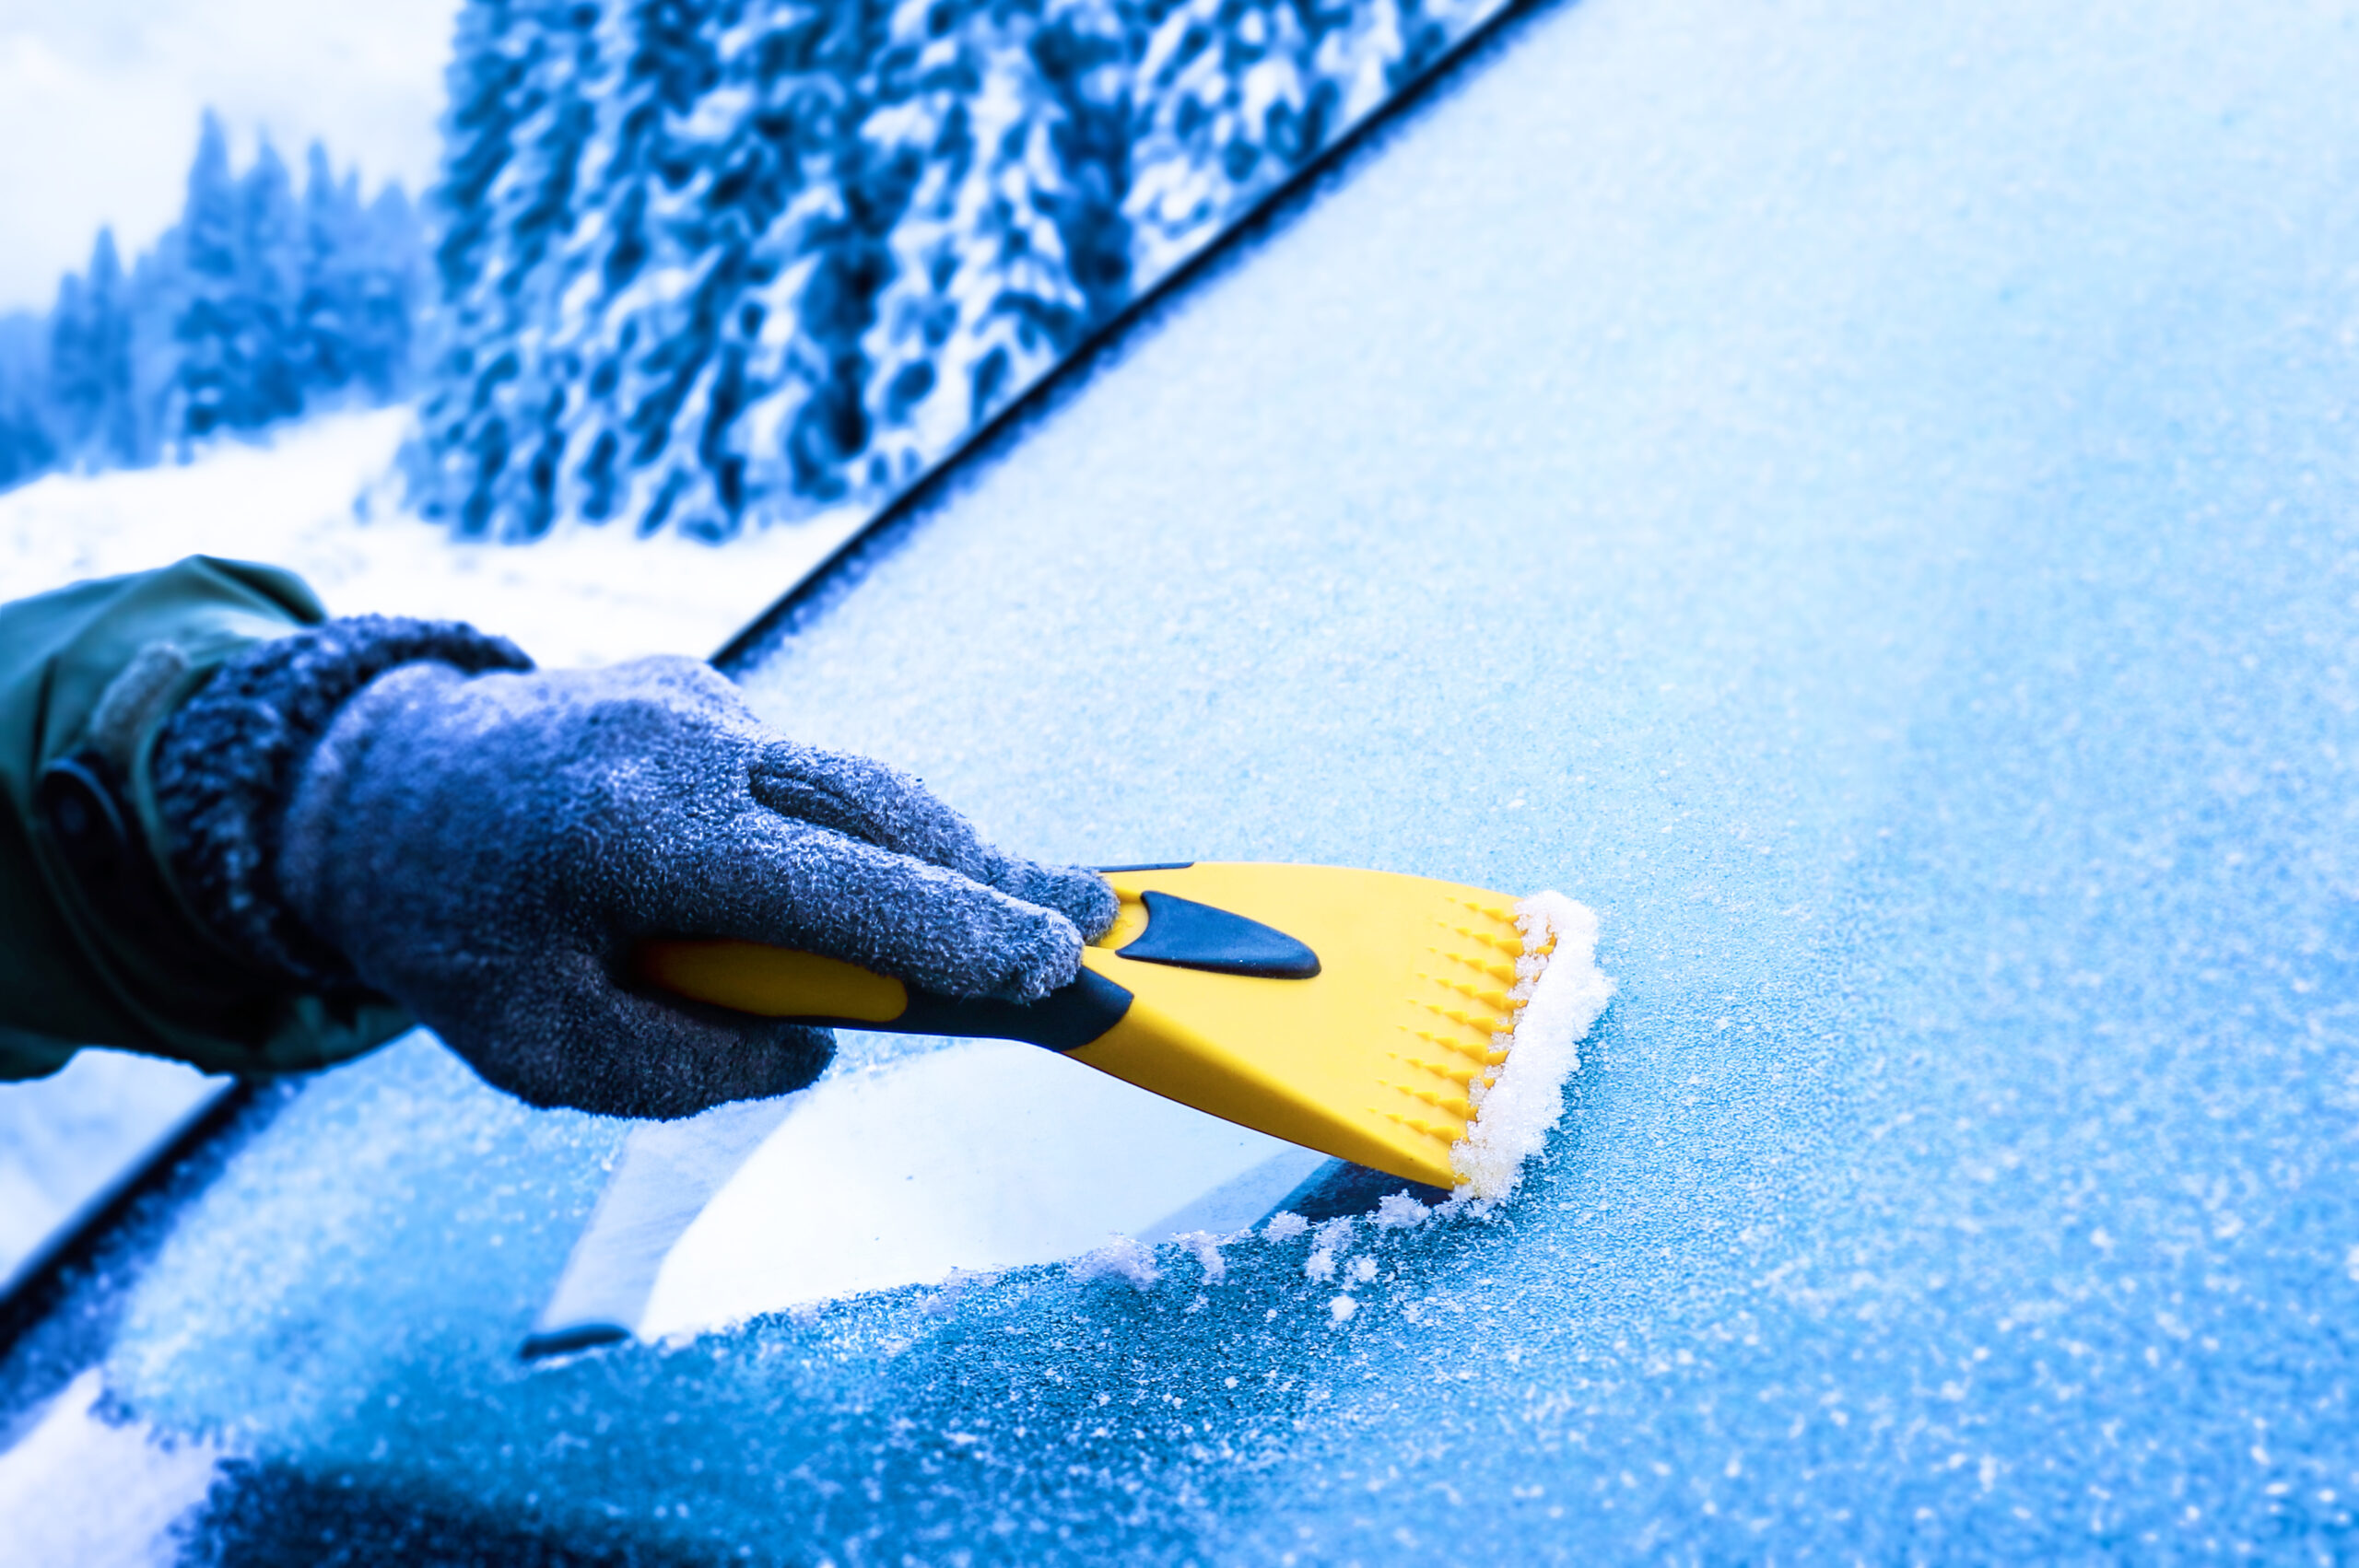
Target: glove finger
[[867, 800], [765, 878], [1078, 894], [861, 798]]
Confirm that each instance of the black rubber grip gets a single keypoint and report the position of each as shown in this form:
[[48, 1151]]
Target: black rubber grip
[[1189, 935], [1064, 1020]]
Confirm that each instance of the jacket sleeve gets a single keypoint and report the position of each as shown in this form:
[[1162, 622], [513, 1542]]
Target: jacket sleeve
[[97, 945]]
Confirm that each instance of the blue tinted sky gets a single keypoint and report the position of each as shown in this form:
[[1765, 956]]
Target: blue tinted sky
[[99, 99]]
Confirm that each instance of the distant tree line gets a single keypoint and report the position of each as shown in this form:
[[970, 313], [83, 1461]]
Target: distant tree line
[[262, 303], [699, 262]]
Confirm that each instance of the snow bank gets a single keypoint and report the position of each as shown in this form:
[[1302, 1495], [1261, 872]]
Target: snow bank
[[1562, 991], [317, 498]]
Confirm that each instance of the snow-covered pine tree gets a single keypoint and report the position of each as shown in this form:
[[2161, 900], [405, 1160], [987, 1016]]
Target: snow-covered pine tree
[[710, 260], [270, 275], [241, 358], [91, 417], [1047, 246], [616, 156], [26, 449], [514, 136], [209, 378], [329, 292], [358, 286], [388, 292], [159, 295]]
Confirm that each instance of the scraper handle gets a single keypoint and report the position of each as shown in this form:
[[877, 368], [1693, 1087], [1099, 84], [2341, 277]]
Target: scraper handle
[[779, 982]]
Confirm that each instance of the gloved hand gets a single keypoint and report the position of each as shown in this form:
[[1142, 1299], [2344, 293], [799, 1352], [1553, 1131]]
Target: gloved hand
[[487, 849]]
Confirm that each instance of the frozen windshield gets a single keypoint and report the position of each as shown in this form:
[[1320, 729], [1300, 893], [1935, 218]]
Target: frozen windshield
[[1864, 498]]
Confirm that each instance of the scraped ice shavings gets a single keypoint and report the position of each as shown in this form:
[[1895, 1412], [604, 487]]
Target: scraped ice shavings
[[943, 1302], [1207, 1246], [1333, 1236], [1121, 1258], [1559, 991]]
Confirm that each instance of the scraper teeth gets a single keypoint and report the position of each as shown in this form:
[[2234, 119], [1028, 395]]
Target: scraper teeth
[[1487, 1054], [1460, 1015], [1457, 1075], [1495, 999], [1503, 973], [1509, 945], [1453, 1104], [1419, 1124], [1498, 1000], [1463, 1048]]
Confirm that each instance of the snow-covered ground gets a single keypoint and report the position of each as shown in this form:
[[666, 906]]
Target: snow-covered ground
[[319, 497]]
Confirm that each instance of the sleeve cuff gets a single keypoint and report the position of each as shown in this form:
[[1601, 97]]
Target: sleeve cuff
[[226, 762]]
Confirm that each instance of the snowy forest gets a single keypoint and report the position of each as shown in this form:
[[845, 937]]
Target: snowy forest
[[262, 303], [707, 261], [694, 265]]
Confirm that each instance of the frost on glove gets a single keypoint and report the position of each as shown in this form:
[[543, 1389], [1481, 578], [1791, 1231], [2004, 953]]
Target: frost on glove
[[487, 844]]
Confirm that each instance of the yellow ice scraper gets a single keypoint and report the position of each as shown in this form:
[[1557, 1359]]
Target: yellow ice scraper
[[1368, 1015]]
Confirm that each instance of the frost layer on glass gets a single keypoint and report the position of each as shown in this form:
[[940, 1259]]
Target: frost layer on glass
[[1862, 497]]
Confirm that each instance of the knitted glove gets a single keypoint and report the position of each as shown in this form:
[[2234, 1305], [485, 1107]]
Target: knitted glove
[[488, 849]]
